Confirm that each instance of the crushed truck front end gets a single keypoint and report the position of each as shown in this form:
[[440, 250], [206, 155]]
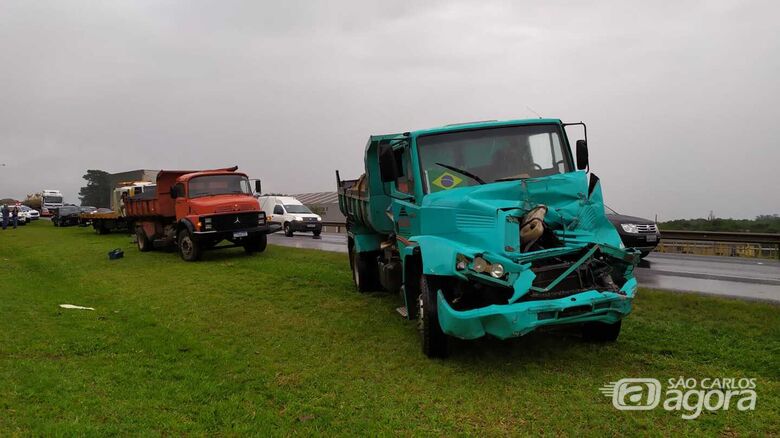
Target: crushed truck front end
[[488, 229]]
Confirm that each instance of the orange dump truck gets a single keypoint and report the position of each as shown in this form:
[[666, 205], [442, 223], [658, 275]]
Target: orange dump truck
[[196, 210]]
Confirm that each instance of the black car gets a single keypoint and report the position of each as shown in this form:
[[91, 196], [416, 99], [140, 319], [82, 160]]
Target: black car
[[66, 215], [637, 233]]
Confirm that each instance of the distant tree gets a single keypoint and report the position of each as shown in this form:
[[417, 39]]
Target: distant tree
[[7, 201], [97, 192], [765, 223]]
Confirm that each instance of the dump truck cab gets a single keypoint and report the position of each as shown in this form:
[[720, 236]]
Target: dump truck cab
[[487, 228]]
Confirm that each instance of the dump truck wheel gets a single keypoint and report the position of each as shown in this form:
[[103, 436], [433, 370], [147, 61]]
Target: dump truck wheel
[[435, 344], [601, 332], [257, 244], [364, 271], [288, 230], [144, 245], [188, 248]]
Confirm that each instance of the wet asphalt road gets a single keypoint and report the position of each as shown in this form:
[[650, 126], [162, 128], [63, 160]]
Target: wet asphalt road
[[726, 276]]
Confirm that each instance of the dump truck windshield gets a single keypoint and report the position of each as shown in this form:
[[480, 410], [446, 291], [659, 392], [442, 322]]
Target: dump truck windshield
[[211, 185], [465, 158]]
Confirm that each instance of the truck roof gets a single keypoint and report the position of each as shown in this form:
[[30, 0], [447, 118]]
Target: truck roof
[[471, 125]]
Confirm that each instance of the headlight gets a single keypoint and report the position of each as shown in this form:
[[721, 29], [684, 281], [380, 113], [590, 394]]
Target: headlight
[[629, 228], [461, 262], [296, 219], [480, 265], [206, 224], [497, 270], [261, 218], [319, 219]]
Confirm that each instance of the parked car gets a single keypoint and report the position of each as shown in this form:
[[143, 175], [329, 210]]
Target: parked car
[[635, 232], [66, 215], [84, 215], [290, 214], [32, 214]]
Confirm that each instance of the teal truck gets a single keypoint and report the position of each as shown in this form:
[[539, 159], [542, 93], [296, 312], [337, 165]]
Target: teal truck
[[488, 228]]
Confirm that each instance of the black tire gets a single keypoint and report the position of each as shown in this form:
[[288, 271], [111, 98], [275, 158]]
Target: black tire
[[435, 344], [288, 229], [257, 244], [54, 222], [601, 332], [364, 271], [317, 233], [144, 244], [188, 248], [101, 229]]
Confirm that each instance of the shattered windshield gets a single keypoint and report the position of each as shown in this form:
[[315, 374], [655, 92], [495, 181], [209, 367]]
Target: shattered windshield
[[467, 158]]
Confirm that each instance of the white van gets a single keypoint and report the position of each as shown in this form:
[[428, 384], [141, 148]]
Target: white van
[[290, 214]]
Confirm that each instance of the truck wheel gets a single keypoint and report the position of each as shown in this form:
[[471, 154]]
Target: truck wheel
[[288, 230], [101, 229], [144, 245], [257, 244], [188, 247], [435, 344], [601, 332], [54, 222], [364, 271], [317, 233]]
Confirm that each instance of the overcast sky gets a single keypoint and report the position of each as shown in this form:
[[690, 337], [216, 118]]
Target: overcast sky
[[680, 99]]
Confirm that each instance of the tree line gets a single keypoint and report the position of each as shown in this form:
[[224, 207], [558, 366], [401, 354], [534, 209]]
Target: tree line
[[765, 223]]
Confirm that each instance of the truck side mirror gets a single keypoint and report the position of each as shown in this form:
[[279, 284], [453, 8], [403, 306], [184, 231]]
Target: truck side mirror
[[387, 165], [258, 187], [582, 154], [174, 193]]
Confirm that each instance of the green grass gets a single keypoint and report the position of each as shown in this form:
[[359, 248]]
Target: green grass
[[281, 343]]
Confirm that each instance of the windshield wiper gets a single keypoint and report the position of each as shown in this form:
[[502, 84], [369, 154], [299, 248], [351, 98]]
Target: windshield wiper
[[462, 172]]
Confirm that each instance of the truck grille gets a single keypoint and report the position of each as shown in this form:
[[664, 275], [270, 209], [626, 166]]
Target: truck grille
[[647, 228], [310, 219], [226, 222]]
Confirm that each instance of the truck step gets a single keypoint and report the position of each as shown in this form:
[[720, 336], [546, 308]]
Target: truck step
[[402, 311]]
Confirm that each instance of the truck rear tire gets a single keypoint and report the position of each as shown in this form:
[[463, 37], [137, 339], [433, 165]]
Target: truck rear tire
[[258, 244], [365, 272], [188, 247], [435, 343], [601, 332], [144, 244]]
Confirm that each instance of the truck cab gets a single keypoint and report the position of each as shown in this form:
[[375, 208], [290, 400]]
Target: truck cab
[[488, 228]]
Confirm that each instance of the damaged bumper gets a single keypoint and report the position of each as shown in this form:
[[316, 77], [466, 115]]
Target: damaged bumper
[[511, 320]]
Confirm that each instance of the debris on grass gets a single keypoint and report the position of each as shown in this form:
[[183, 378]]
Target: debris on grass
[[72, 306]]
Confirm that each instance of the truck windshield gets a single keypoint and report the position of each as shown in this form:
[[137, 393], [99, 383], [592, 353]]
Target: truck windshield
[[211, 185], [52, 199], [465, 158], [298, 209]]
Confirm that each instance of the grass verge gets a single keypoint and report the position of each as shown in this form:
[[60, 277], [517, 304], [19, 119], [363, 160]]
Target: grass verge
[[280, 343]]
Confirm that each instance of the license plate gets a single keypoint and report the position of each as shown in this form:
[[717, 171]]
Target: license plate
[[652, 238], [238, 234], [310, 226]]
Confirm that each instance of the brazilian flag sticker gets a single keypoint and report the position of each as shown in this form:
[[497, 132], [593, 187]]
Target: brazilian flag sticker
[[447, 181]]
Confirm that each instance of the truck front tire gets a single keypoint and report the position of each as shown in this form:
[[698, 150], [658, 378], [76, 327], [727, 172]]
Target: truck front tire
[[257, 244], [188, 247], [435, 343], [288, 229], [601, 332]]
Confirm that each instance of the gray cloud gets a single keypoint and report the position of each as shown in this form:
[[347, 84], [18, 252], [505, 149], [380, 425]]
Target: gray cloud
[[680, 98]]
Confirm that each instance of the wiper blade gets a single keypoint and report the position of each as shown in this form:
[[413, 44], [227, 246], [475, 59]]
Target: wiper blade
[[462, 172]]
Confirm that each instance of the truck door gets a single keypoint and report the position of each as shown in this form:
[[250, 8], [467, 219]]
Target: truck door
[[182, 207], [405, 210]]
